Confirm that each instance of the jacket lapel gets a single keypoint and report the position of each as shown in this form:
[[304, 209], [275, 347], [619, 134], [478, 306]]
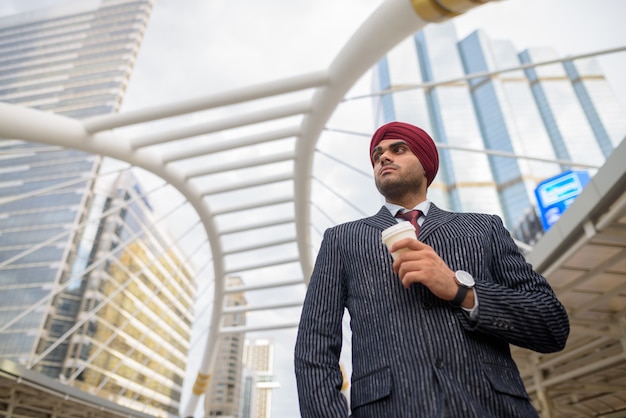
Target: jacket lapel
[[381, 220], [435, 219]]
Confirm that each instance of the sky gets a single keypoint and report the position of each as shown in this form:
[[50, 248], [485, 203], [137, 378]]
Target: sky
[[201, 47], [223, 44]]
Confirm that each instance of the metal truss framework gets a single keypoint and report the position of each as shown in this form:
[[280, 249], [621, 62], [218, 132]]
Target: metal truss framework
[[183, 156]]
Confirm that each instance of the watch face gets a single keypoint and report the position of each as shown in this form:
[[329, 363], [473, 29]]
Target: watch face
[[464, 278]]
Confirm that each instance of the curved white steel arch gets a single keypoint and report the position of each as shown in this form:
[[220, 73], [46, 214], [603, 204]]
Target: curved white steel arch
[[392, 22]]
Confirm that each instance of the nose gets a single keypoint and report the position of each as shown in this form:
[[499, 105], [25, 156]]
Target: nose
[[385, 157]]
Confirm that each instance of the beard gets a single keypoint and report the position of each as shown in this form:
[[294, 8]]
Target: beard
[[394, 188]]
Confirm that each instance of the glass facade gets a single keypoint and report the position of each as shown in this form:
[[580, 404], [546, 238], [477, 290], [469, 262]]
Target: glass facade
[[131, 315], [91, 292], [563, 111]]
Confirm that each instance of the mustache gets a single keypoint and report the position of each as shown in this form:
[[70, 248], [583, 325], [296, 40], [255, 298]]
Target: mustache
[[392, 165]]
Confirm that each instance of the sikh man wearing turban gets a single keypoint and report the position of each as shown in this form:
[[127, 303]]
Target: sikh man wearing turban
[[431, 329]]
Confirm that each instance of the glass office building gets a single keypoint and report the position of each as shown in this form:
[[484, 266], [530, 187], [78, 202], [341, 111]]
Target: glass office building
[[90, 291], [126, 319], [547, 115]]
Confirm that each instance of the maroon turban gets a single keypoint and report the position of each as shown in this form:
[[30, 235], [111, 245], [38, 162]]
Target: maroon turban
[[420, 143]]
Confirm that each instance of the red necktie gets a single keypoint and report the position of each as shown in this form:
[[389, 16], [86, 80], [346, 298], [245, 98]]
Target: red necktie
[[411, 216]]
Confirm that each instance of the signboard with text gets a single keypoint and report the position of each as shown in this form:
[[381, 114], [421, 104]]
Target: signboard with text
[[555, 194]]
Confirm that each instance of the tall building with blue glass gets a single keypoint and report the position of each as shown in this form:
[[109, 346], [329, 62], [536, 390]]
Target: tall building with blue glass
[[545, 116], [91, 290]]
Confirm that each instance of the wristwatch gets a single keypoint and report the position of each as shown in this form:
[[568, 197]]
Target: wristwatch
[[465, 282]]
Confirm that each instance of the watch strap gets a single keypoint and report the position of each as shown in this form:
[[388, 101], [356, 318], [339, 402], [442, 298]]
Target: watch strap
[[460, 296]]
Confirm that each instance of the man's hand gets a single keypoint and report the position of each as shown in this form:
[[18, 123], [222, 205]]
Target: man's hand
[[421, 264]]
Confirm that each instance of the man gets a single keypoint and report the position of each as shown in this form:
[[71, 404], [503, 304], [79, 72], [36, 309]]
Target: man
[[430, 330]]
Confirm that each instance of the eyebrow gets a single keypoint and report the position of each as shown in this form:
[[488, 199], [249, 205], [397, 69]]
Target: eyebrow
[[392, 145]]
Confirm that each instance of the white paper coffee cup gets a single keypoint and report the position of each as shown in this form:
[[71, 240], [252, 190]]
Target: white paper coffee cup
[[397, 232]]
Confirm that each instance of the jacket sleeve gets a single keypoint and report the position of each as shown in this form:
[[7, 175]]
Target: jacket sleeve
[[318, 344], [518, 304]]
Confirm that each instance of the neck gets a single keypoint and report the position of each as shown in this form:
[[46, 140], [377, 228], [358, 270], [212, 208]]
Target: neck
[[408, 202]]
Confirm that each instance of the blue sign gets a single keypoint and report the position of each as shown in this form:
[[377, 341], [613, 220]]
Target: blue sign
[[555, 194]]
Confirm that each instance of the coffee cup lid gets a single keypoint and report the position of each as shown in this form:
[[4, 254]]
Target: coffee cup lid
[[400, 227]]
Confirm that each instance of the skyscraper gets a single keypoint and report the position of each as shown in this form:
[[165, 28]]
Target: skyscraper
[[129, 338], [259, 380], [91, 292], [224, 390], [551, 113]]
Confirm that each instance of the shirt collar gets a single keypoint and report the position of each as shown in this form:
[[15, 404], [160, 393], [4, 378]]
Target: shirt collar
[[393, 208]]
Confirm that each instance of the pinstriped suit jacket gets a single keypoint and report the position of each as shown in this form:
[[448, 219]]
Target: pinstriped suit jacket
[[413, 354]]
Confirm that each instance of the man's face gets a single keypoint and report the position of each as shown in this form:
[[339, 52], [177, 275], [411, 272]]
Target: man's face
[[397, 171]]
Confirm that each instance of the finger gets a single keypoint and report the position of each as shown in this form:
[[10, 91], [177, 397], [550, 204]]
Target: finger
[[411, 268], [409, 278], [410, 243]]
